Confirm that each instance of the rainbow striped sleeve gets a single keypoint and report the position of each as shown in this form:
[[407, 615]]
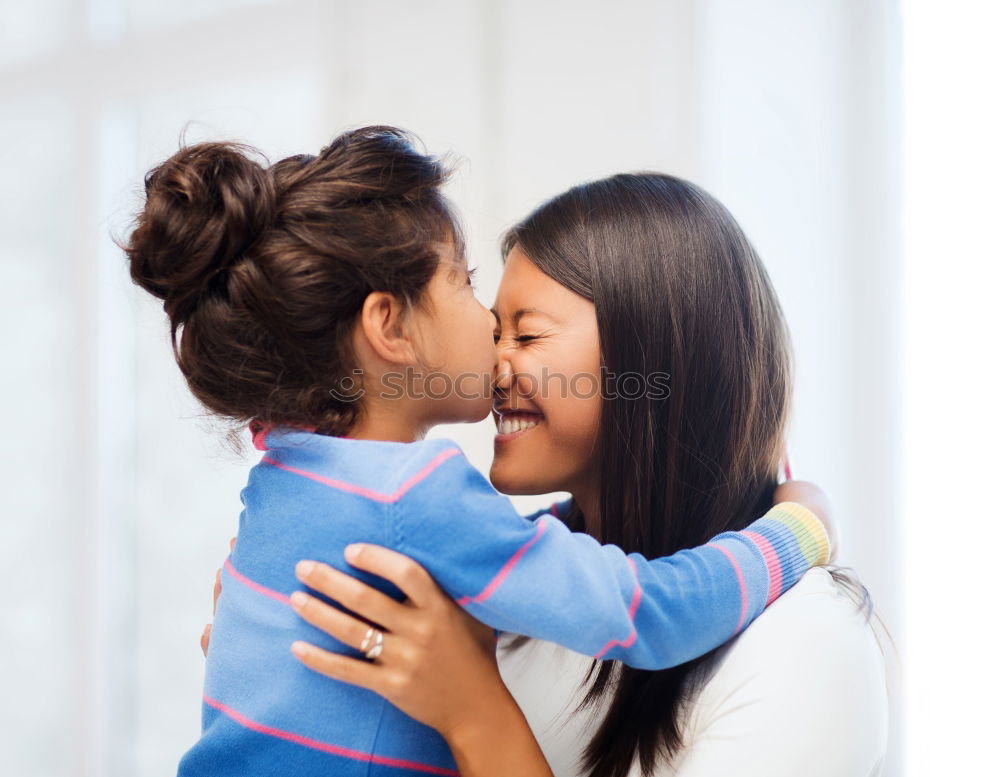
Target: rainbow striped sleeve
[[791, 539], [540, 579]]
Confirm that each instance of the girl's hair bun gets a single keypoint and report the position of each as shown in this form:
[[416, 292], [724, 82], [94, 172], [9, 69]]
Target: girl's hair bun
[[205, 208], [263, 271]]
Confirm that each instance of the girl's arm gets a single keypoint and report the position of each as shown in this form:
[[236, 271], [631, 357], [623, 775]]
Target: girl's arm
[[438, 664], [538, 578], [808, 675]]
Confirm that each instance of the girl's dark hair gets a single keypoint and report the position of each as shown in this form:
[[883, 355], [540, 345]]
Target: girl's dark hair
[[677, 288], [263, 269]]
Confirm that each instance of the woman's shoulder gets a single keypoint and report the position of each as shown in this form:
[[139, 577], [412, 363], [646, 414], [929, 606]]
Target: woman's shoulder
[[817, 611], [816, 629], [808, 671]]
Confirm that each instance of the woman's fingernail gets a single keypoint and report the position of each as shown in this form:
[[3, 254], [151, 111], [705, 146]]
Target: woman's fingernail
[[298, 599], [304, 568], [299, 649], [352, 551]]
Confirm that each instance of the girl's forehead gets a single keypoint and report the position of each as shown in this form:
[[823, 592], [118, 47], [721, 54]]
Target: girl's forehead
[[452, 254]]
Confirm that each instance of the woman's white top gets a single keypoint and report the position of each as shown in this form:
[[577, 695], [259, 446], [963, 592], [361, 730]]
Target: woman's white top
[[800, 692]]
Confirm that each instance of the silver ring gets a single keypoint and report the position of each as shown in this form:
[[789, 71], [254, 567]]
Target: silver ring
[[376, 649], [365, 642]]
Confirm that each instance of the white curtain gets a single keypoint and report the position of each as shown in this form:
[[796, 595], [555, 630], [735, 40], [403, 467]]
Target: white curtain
[[119, 497]]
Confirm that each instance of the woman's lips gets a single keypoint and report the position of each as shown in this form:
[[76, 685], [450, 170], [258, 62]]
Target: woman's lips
[[510, 426]]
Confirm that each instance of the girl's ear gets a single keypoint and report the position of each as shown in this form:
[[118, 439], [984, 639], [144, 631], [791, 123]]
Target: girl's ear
[[384, 326]]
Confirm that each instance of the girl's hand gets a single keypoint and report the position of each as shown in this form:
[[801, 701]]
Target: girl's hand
[[438, 664], [811, 496], [206, 634]]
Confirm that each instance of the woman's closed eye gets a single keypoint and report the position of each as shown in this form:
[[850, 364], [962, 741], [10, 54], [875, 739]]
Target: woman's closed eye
[[517, 338]]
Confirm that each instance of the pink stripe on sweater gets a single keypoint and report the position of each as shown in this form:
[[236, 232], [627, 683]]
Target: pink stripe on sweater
[[368, 493], [259, 431], [633, 606], [740, 580], [263, 590], [774, 576], [492, 586], [324, 747]]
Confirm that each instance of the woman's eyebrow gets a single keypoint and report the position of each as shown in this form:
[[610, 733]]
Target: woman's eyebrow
[[520, 313]]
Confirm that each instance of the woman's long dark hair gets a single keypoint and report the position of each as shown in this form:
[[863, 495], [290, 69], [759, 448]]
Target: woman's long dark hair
[[677, 288]]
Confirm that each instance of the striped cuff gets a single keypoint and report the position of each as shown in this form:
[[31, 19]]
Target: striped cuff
[[792, 540]]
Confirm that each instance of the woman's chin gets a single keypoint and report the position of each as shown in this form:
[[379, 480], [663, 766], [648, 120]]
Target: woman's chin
[[509, 480]]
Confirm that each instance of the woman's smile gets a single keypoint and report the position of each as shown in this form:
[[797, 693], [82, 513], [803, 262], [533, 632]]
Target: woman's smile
[[511, 424]]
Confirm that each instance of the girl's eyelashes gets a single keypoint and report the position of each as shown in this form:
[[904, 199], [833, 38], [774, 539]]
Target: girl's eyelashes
[[470, 276]]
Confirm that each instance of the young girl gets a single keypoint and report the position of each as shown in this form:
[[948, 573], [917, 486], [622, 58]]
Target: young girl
[[327, 301]]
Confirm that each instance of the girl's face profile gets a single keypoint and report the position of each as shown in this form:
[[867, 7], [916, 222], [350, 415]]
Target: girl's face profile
[[548, 402], [457, 357]]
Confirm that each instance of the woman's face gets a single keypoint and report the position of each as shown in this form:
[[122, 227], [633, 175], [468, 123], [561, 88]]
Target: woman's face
[[549, 401]]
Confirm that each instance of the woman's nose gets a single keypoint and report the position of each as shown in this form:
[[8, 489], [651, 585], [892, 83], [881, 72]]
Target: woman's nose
[[502, 375]]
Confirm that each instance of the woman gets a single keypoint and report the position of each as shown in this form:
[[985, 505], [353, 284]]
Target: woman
[[608, 285]]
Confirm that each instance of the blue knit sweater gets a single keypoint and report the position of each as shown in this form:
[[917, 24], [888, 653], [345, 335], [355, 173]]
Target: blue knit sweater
[[264, 713]]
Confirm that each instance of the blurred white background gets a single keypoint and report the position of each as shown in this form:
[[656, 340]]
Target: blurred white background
[[855, 141]]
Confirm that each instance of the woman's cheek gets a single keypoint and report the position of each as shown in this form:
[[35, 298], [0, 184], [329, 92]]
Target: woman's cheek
[[553, 455], [574, 433]]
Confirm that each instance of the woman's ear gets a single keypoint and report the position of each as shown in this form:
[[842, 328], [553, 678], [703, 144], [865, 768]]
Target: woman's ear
[[384, 326]]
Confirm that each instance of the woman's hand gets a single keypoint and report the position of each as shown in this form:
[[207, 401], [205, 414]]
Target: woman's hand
[[437, 663], [436, 659]]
